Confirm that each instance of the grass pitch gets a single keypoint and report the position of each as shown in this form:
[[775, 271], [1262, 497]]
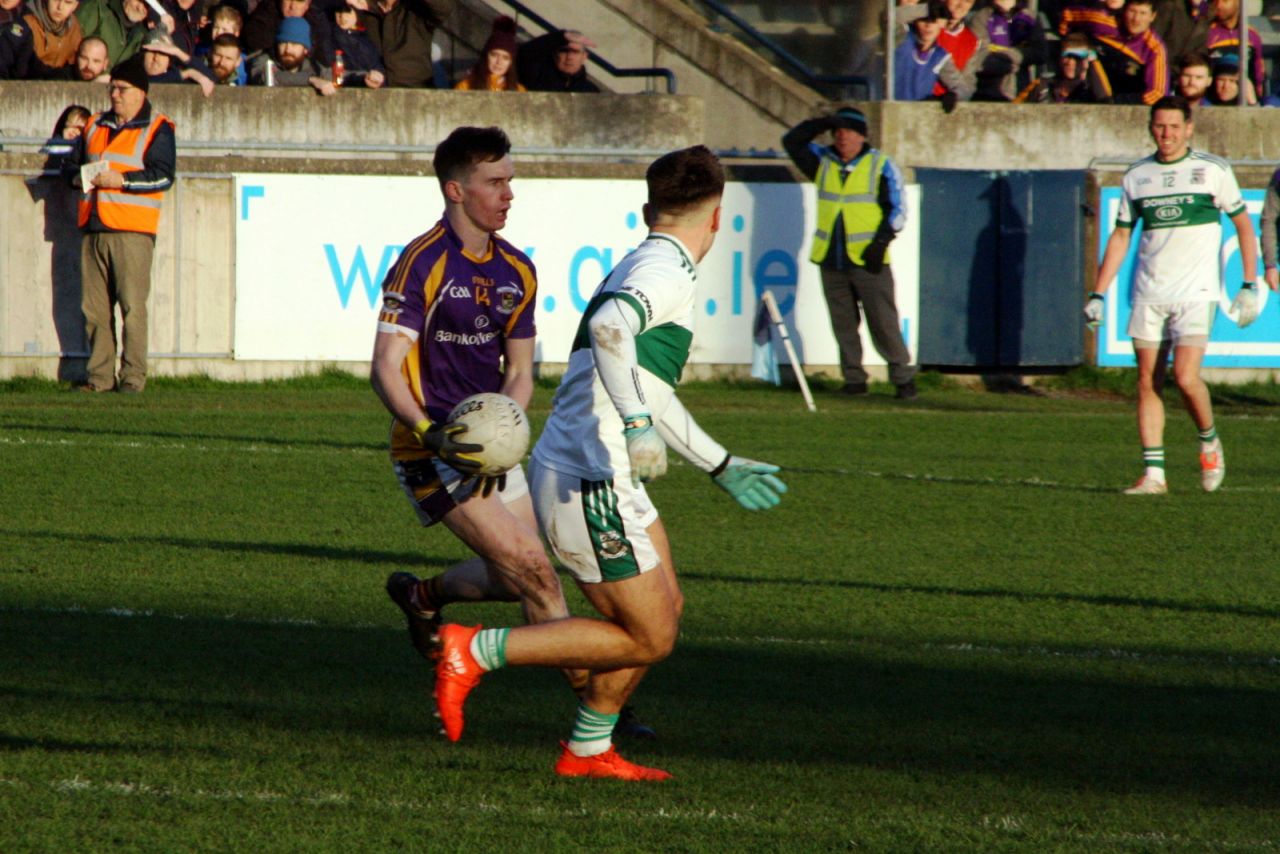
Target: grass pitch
[[954, 635]]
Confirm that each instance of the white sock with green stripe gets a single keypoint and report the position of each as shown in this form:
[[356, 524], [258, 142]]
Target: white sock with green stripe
[[1208, 437], [489, 648], [1153, 459], [592, 732]]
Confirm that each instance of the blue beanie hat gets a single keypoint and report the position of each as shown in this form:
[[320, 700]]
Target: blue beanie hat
[[851, 118], [295, 30]]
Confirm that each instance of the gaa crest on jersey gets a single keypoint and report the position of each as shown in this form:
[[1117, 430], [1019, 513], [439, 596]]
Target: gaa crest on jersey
[[508, 296], [391, 304], [1197, 175], [612, 546]]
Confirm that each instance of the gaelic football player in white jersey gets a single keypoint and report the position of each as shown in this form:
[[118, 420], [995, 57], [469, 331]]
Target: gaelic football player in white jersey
[[611, 421], [1177, 195]]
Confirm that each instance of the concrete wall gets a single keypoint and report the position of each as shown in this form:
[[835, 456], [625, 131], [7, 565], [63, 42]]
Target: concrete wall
[[387, 117]]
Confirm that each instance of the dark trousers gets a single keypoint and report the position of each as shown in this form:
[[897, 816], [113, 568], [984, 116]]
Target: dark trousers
[[845, 290], [115, 267]]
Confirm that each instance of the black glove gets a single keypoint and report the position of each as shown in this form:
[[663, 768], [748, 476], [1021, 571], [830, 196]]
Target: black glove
[[439, 439], [949, 101], [485, 485], [873, 255]]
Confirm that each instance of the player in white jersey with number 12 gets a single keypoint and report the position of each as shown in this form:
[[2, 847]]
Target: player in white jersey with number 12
[[611, 421], [1178, 195]]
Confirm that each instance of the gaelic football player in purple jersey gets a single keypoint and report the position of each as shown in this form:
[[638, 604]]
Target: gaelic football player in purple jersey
[[456, 320]]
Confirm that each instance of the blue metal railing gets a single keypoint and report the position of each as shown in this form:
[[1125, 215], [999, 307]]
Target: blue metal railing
[[608, 67], [797, 67]]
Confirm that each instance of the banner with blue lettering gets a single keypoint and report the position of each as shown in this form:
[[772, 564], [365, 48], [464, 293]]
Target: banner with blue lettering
[[312, 251], [1257, 346]]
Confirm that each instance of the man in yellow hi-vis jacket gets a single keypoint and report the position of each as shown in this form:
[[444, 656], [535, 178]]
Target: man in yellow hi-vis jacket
[[861, 208]]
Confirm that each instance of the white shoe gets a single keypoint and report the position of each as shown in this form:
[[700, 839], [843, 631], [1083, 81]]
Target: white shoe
[[1148, 486], [1213, 467]]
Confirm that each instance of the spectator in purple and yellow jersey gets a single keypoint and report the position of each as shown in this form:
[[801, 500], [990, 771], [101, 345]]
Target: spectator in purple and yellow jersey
[[1224, 38], [1094, 18], [1135, 60]]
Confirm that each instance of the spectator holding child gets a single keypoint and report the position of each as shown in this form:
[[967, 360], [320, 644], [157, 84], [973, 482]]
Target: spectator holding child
[[362, 65], [132, 148], [402, 31], [495, 71]]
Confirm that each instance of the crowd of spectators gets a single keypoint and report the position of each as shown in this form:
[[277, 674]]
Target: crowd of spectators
[[1109, 51], [322, 44]]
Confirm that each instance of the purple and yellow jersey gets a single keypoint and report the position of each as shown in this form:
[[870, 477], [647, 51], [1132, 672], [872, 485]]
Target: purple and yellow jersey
[[459, 311]]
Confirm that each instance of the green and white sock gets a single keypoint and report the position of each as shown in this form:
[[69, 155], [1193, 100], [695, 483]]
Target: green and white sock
[[1208, 437], [1153, 459], [592, 732], [489, 648]]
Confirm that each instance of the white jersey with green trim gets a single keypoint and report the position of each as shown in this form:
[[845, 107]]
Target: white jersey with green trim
[[1179, 205], [583, 435]]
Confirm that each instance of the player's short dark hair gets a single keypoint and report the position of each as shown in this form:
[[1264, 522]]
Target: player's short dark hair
[[1193, 59], [228, 40], [465, 148], [1172, 102], [684, 179]]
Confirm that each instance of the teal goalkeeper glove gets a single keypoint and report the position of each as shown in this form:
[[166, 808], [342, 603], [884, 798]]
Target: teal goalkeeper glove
[[752, 484], [645, 448]]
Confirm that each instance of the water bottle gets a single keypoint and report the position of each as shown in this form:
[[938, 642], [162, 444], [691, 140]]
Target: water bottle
[[339, 68], [271, 72]]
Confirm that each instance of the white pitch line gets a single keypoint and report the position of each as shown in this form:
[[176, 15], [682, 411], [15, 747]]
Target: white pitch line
[[81, 785], [961, 647], [186, 446], [924, 477]]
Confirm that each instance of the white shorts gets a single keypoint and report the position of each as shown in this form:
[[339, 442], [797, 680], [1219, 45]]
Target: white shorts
[[434, 487], [1186, 323], [597, 528]]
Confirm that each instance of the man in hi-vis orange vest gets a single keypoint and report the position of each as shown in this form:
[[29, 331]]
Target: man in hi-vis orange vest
[[124, 163]]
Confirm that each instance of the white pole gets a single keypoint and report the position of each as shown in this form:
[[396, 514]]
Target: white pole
[[775, 317], [1246, 67], [888, 49]]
